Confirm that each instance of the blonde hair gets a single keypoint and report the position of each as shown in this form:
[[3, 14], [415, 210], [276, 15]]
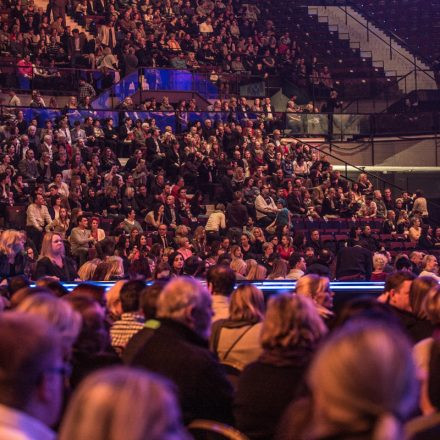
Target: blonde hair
[[379, 261], [86, 271], [247, 304], [102, 408], [57, 312], [369, 379], [113, 299], [238, 265], [116, 267], [431, 305], [280, 269], [291, 321], [314, 287], [9, 240], [254, 271], [46, 245]]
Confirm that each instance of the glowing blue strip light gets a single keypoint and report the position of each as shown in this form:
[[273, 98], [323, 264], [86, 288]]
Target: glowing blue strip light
[[276, 285]]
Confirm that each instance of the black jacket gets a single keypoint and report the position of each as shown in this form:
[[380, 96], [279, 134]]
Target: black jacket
[[17, 268], [178, 353], [354, 260], [264, 392], [45, 267], [236, 215]]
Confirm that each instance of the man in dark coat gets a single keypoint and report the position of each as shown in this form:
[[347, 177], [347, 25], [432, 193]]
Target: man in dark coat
[[178, 350], [354, 263]]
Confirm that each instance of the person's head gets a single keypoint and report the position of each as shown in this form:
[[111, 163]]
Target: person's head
[[186, 300], [397, 286], [83, 222], [58, 313], [103, 403], [163, 271], [379, 262], [11, 242], [291, 322], [148, 299], [113, 299], [163, 229], [220, 280], [31, 366], [176, 261], [431, 305], [416, 258], [296, 261], [370, 381], [89, 290], [429, 263], [247, 304], [52, 246], [316, 288], [417, 294], [130, 295], [403, 264]]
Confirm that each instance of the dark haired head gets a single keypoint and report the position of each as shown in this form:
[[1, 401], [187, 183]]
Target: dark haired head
[[221, 280], [130, 295]]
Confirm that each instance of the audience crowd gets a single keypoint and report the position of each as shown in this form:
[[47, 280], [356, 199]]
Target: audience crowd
[[177, 359], [219, 37]]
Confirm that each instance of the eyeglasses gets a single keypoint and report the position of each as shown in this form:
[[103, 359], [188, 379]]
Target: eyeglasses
[[57, 241]]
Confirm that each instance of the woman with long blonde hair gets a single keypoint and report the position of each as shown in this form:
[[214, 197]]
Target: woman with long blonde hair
[[87, 270], [52, 261], [12, 259], [290, 334], [318, 290], [236, 340]]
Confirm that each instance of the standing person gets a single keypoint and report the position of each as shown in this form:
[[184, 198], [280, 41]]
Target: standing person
[[32, 373], [53, 261], [80, 238], [420, 206], [58, 10], [37, 218], [354, 263]]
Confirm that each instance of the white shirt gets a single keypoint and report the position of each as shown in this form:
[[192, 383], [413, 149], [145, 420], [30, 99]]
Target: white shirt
[[216, 221], [263, 208], [16, 425], [295, 274]]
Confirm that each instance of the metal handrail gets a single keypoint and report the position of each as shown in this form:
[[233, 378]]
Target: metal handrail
[[360, 169], [387, 30], [412, 61]]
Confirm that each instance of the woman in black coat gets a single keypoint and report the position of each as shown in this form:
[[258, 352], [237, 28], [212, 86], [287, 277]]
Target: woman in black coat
[[52, 261], [13, 261], [291, 331]]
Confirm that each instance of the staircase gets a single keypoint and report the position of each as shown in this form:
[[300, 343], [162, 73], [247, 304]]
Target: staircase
[[69, 20], [383, 49]]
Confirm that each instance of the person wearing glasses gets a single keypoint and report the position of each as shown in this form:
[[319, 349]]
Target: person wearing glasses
[[33, 373], [52, 261]]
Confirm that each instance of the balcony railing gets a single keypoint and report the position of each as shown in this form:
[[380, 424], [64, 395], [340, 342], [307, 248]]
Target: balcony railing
[[332, 126]]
